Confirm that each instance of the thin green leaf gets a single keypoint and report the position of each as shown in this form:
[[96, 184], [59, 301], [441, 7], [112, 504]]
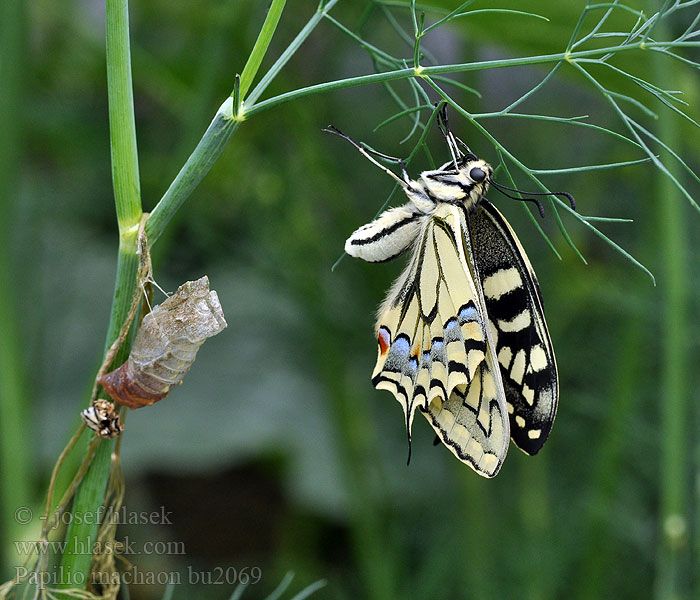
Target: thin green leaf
[[311, 589], [654, 20], [567, 121], [457, 84], [446, 18], [514, 160], [600, 167], [498, 10], [607, 219], [678, 158], [261, 45], [429, 8], [633, 101], [632, 125], [238, 592], [595, 29], [687, 61], [617, 247], [289, 51], [403, 35], [403, 113], [533, 90], [416, 121], [377, 52], [532, 218], [650, 87], [282, 587]]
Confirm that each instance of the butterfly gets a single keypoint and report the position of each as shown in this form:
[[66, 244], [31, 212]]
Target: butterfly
[[461, 335]]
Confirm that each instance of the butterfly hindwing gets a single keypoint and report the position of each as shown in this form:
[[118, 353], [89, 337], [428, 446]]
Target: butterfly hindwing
[[523, 346], [434, 349]]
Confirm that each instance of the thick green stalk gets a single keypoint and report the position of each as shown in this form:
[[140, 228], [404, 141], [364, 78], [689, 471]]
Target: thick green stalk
[[674, 400], [122, 126], [210, 147], [15, 452], [597, 556], [82, 532]]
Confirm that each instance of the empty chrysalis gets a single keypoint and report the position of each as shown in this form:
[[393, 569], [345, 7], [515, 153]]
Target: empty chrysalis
[[166, 345]]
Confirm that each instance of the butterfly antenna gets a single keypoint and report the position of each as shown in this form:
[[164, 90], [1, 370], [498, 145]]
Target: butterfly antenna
[[502, 188]]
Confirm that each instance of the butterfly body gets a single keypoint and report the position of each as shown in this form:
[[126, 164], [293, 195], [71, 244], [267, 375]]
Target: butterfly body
[[461, 334]]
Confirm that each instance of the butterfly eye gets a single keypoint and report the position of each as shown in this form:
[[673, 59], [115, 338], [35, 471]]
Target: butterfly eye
[[477, 174]]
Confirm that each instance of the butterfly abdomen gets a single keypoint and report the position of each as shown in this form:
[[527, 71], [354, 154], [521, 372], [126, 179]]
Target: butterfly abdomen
[[386, 237]]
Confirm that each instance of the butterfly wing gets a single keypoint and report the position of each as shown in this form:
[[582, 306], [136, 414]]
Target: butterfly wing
[[523, 346], [435, 352]]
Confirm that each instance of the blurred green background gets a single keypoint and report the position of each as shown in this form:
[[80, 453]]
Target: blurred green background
[[277, 452]]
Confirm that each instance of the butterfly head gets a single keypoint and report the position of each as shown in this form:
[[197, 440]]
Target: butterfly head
[[462, 181]]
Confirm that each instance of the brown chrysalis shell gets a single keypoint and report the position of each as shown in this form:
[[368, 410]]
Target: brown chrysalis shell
[[102, 418], [166, 345]]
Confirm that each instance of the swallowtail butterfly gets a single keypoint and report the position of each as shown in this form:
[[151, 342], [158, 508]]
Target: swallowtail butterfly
[[462, 335]]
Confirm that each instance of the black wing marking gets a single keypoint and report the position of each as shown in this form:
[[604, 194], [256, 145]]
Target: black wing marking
[[523, 346]]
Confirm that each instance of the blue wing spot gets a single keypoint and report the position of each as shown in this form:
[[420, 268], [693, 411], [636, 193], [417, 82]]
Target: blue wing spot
[[468, 313], [401, 345], [451, 324]]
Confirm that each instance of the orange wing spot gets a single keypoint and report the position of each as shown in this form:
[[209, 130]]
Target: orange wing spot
[[384, 339]]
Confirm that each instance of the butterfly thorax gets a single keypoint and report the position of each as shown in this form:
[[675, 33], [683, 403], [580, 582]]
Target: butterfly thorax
[[464, 183]]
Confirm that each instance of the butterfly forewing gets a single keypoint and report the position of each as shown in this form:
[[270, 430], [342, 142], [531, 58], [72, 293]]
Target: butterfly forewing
[[523, 346], [434, 350]]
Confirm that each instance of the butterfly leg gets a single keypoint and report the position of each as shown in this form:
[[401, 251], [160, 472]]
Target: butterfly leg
[[367, 152], [453, 142]]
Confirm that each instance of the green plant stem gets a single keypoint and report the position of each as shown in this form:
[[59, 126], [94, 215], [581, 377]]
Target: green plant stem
[[122, 126], [81, 533], [220, 131], [210, 147], [15, 451], [320, 13], [674, 401], [454, 68], [261, 44], [597, 554]]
